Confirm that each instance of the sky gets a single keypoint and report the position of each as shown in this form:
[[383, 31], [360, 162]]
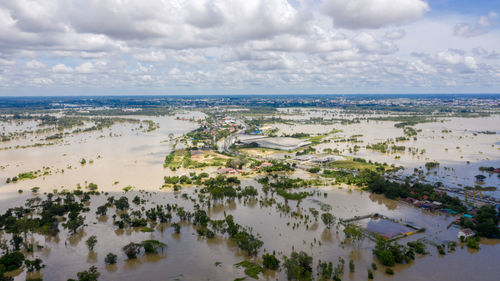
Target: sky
[[176, 47]]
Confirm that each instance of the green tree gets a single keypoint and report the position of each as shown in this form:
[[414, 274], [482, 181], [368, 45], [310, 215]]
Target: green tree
[[270, 261], [248, 242], [88, 275], [102, 210], [327, 219], [74, 223], [91, 242], [12, 261], [110, 258], [298, 266], [177, 227], [351, 266], [122, 203], [33, 265], [132, 249], [355, 234]]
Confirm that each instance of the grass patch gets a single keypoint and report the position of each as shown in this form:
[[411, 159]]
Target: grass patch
[[293, 195], [26, 175], [251, 269], [352, 165], [360, 164], [152, 246], [317, 139], [128, 188], [147, 229]]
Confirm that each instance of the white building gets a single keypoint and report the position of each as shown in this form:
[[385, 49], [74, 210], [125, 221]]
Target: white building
[[465, 233]]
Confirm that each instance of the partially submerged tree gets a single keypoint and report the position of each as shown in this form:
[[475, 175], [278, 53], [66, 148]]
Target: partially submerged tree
[[91, 242]]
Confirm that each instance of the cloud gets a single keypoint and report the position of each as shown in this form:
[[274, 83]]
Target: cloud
[[357, 14], [86, 67], [395, 34], [204, 14], [348, 55], [450, 57], [35, 64], [367, 43], [479, 51], [275, 64], [7, 62], [146, 77], [40, 81], [482, 26], [61, 68], [153, 56], [457, 58], [316, 40], [238, 46]]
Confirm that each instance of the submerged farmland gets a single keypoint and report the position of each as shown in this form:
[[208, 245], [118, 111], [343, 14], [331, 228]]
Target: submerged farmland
[[158, 195]]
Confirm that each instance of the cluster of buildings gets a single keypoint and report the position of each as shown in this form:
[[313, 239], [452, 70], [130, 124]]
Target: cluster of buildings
[[228, 123], [228, 171], [426, 204], [232, 171], [331, 101]]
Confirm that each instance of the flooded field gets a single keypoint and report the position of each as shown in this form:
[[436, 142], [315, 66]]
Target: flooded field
[[214, 258], [460, 145], [124, 155]]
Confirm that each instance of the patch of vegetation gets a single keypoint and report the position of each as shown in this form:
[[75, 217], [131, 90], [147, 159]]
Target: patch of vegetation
[[270, 261], [390, 252], [88, 275], [431, 165], [110, 258], [298, 266], [251, 269], [381, 146]]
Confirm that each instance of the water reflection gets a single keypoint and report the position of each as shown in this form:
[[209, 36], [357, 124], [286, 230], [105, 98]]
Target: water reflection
[[92, 257]]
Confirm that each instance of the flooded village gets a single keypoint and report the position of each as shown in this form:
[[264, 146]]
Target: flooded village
[[250, 188]]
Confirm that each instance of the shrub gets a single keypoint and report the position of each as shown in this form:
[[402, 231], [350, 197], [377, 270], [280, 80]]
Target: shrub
[[370, 274], [270, 261], [33, 265], [12, 261], [298, 266], [88, 275], [91, 242], [131, 250], [472, 243], [110, 258]]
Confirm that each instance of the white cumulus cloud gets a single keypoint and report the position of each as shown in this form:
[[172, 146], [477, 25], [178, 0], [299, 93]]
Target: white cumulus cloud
[[61, 68], [356, 14]]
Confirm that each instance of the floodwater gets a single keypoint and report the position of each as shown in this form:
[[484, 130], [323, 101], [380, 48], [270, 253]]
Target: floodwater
[[456, 143], [135, 158], [383, 227], [122, 153]]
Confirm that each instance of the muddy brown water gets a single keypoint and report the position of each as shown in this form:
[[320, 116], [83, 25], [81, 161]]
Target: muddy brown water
[[135, 158], [189, 257], [460, 150]]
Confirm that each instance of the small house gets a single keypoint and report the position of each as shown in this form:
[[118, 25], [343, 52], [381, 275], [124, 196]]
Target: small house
[[465, 233], [226, 171]]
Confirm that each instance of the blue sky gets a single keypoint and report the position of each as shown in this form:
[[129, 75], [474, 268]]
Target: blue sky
[[109, 47], [465, 7]]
